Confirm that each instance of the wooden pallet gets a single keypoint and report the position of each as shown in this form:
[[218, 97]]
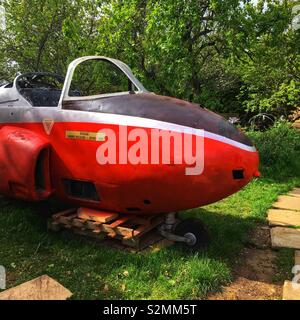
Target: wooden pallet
[[129, 229]]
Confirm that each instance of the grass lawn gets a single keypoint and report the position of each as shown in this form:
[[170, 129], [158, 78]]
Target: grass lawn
[[91, 271]]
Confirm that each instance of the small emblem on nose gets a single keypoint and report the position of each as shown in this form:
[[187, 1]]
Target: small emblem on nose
[[48, 125]]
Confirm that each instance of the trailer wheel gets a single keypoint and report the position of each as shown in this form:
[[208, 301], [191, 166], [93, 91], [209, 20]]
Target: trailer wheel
[[196, 231]]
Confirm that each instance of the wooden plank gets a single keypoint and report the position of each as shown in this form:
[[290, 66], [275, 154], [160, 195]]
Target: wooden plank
[[63, 213], [66, 219], [126, 232], [92, 224], [145, 228], [119, 222], [284, 218], [131, 242], [134, 240], [122, 231], [142, 229], [97, 234], [41, 288], [95, 215], [288, 203], [79, 223], [107, 228], [291, 291], [285, 238], [130, 229]]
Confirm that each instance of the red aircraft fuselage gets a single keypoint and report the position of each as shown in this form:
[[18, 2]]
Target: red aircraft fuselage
[[52, 151]]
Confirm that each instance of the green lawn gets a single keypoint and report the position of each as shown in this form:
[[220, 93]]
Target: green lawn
[[91, 271]]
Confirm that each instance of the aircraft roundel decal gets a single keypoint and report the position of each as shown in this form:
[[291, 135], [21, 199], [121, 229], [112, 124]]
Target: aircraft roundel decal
[[48, 125]]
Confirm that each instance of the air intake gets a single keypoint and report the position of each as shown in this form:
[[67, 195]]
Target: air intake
[[81, 189], [238, 174]]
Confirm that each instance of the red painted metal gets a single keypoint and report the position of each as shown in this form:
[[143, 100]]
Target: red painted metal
[[20, 150], [152, 189]]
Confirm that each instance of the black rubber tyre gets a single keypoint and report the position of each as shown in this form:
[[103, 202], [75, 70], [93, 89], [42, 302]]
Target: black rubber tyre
[[195, 229]]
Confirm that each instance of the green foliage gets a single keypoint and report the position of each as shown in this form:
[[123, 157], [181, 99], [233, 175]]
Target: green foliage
[[45, 35], [268, 61], [281, 102], [174, 48], [279, 149], [228, 55]]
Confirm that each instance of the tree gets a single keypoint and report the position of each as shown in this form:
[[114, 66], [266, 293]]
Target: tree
[[228, 55], [45, 35], [174, 46], [263, 50]]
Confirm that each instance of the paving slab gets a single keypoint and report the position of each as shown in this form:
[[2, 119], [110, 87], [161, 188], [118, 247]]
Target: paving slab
[[291, 291], [295, 192], [285, 238], [288, 203], [41, 288], [284, 218]]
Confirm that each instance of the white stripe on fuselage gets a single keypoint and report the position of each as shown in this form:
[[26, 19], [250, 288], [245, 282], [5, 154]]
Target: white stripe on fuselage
[[38, 114]]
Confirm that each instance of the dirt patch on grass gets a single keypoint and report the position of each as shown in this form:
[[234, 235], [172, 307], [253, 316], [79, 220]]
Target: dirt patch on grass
[[254, 271]]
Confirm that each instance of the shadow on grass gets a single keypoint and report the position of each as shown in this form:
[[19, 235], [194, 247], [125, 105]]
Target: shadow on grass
[[91, 270], [228, 232]]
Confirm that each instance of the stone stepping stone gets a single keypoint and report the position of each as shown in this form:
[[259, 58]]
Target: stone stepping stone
[[295, 192], [288, 203], [283, 218], [285, 238], [291, 291], [41, 288]]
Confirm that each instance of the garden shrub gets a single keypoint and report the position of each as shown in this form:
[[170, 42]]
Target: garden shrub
[[279, 149]]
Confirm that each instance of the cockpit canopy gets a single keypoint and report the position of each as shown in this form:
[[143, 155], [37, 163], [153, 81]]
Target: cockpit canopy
[[87, 78]]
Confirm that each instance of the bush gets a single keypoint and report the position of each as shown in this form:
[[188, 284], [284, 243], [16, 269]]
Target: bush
[[282, 101], [279, 149]]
